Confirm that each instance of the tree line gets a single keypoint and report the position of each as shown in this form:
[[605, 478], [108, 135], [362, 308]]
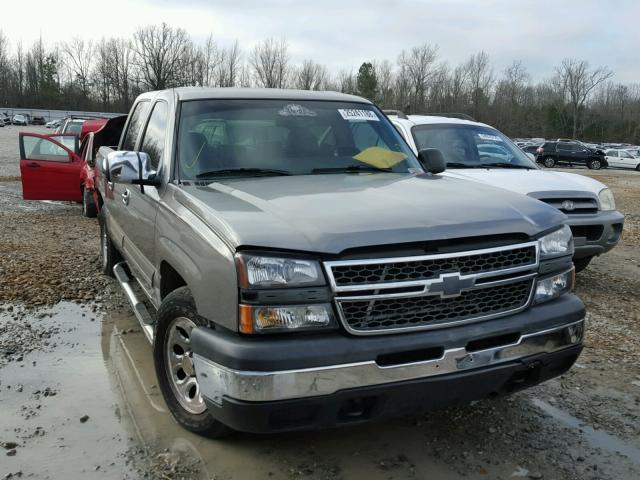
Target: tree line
[[578, 101]]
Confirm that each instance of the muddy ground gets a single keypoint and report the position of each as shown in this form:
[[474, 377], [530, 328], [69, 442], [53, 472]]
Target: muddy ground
[[78, 394]]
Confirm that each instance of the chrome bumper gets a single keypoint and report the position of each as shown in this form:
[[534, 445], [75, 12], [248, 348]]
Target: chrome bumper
[[217, 381]]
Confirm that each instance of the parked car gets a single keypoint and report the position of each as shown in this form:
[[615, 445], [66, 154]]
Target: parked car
[[81, 125], [634, 151], [38, 120], [588, 204], [532, 149], [297, 278], [622, 159], [53, 123], [551, 154], [19, 120], [61, 166]]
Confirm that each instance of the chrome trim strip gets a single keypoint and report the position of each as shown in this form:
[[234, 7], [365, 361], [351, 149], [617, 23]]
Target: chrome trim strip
[[426, 284], [467, 253], [217, 381]]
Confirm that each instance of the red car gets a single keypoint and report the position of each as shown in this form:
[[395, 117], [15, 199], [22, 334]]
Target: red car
[[61, 166]]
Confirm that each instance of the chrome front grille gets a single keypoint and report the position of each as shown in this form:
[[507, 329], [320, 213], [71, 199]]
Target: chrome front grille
[[376, 296], [580, 206]]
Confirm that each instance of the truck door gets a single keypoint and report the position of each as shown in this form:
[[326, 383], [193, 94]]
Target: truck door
[[50, 167], [140, 213]]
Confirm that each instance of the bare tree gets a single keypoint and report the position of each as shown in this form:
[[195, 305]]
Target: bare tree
[[269, 60], [212, 59], [78, 56], [346, 81], [480, 79], [229, 66], [384, 74], [160, 55], [579, 80], [311, 76], [418, 65], [120, 53]]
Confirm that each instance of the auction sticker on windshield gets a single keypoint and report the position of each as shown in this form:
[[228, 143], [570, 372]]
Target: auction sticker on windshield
[[357, 114], [486, 136]]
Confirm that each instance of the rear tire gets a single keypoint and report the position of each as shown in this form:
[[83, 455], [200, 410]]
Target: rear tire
[[89, 207], [581, 263], [638, 168], [549, 162], [172, 356], [109, 255], [594, 164]]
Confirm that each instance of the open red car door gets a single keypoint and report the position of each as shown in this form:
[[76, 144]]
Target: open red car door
[[50, 167]]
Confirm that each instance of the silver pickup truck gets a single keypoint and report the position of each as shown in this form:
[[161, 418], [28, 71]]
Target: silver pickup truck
[[297, 266]]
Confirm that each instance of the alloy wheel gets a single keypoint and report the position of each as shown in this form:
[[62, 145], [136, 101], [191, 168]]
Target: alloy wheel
[[180, 368]]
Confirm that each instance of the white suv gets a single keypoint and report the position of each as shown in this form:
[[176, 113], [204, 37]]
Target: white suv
[[479, 152]]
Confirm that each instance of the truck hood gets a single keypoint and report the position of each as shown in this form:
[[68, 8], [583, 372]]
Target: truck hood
[[528, 181], [331, 213]]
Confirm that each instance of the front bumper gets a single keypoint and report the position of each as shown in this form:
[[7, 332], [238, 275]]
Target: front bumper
[[595, 234], [250, 384]]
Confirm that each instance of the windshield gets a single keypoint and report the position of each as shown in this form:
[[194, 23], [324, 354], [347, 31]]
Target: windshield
[[471, 146], [286, 137]]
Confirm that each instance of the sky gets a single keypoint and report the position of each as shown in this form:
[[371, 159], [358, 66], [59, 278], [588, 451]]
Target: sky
[[344, 33]]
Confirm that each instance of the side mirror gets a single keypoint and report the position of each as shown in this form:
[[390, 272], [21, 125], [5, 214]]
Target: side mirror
[[130, 167], [432, 160]]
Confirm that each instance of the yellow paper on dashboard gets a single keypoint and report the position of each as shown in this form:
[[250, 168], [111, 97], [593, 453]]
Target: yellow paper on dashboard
[[380, 157]]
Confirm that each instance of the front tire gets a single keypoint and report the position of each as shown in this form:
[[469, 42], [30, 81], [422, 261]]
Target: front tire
[[173, 360], [581, 263], [594, 164], [109, 255], [549, 162], [89, 207]]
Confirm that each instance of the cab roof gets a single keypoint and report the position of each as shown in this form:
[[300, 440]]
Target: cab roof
[[204, 93], [412, 120]]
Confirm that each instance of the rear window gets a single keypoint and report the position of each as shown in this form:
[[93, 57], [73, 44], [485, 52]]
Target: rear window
[[295, 137]]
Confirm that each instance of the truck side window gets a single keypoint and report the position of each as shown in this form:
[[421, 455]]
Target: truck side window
[[135, 125], [155, 133]]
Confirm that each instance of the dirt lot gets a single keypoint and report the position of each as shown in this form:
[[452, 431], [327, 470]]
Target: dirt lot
[[78, 394]]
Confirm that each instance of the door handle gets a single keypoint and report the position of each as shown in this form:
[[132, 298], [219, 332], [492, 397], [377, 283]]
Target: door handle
[[126, 196], [33, 165]]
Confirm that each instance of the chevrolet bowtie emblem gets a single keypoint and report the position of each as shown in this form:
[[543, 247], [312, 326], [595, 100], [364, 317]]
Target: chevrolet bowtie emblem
[[451, 285]]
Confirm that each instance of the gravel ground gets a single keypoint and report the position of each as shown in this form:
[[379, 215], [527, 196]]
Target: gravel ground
[[9, 149], [55, 305]]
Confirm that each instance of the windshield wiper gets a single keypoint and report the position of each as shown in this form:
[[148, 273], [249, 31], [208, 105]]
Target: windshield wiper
[[503, 165], [460, 165], [351, 169], [243, 171]]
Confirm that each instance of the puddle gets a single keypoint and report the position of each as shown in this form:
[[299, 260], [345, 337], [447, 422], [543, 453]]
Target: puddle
[[104, 369], [44, 396], [596, 438]]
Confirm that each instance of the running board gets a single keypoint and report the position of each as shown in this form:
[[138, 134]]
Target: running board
[[139, 310]]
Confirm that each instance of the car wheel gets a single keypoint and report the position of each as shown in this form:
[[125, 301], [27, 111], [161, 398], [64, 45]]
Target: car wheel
[[581, 263], [108, 252], [549, 162], [638, 168], [173, 360], [89, 207], [594, 164]]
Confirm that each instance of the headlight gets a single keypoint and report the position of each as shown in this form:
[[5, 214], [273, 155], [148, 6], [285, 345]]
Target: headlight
[[271, 319], [274, 272], [552, 287], [555, 243], [607, 202]]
